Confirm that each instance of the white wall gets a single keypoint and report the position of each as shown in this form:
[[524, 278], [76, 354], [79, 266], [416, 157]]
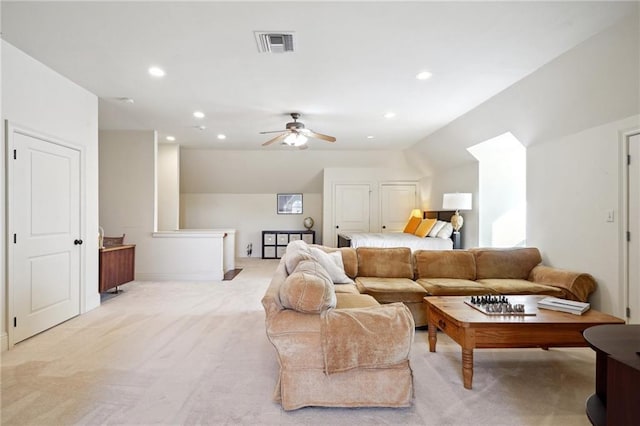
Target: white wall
[[35, 97], [572, 182], [249, 214], [237, 189], [128, 164], [127, 185], [568, 114], [271, 171], [458, 179], [168, 187]]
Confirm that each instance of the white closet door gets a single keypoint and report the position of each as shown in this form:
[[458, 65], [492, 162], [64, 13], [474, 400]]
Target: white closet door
[[351, 209], [396, 203]]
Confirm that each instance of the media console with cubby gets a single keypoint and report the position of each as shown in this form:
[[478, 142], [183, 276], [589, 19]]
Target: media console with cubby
[[274, 243]]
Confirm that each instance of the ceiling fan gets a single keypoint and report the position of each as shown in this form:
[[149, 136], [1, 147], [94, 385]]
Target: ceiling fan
[[295, 134]]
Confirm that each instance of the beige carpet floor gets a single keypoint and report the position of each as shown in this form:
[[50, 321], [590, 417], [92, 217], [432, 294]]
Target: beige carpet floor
[[196, 353]]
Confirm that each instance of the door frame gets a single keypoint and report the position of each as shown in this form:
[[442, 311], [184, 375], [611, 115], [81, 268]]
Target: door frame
[[623, 224], [11, 129]]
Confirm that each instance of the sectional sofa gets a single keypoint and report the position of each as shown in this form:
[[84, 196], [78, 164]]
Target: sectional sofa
[[322, 304]]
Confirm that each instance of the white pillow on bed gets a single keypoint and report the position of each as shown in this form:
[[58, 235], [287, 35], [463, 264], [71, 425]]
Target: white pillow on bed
[[446, 231], [332, 263], [436, 228]]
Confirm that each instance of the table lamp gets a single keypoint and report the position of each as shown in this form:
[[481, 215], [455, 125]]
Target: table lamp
[[456, 201]]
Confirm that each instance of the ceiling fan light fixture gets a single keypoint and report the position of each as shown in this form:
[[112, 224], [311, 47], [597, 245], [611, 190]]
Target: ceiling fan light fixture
[[295, 139]]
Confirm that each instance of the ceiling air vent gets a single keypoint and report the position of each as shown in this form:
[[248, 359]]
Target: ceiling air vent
[[274, 42]]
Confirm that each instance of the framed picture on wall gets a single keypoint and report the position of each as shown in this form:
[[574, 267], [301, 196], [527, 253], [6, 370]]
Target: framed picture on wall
[[289, 203]]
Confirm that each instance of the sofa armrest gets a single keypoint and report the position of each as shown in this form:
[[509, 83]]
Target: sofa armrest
[[371, 337], [578, 286]]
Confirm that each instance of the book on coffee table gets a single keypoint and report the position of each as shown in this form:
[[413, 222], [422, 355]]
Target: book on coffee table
[[563, 305]]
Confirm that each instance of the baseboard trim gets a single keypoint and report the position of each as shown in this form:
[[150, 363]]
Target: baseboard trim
[[179, 277], [4, 341]]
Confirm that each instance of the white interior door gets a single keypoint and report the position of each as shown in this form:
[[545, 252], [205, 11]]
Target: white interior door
[[633, 216], [351, 209], [44, 235], [396, 203]]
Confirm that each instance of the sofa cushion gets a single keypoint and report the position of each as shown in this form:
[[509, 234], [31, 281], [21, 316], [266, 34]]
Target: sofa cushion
[[453, 287], [388, 290], [505, 263], [445, 264], [332, 263], [515, 286], [346, 288], [385, 262], [296, 251], [308, 289], [348, 301]]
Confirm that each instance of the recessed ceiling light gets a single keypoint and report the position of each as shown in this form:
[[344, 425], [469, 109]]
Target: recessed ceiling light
[[370, 137], [171, 138], [221, 136], [424, 75], [156, 71], [198, 114], [126, 100], [390, 114]]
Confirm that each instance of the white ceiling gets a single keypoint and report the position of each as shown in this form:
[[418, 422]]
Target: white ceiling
[[354, 61]]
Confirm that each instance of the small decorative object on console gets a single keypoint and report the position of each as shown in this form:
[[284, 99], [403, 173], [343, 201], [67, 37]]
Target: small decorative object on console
[[308, 222], [496, 305]]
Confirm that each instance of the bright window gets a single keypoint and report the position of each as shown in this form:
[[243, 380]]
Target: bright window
[[502, 191]]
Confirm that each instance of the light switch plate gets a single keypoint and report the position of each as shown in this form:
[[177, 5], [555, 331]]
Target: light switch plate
[[610, 216]]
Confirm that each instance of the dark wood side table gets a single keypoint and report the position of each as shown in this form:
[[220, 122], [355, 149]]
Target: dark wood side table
[[617, 397], [117, 266]]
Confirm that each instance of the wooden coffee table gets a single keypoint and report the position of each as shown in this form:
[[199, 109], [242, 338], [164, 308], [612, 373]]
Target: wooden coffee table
[[473, 329]]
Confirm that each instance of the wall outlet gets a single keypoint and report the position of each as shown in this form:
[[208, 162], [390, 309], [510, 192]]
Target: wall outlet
[[610, 216]]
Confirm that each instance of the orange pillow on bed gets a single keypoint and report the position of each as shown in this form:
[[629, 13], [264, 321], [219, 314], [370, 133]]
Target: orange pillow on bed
[[412, 225], [424, 227]]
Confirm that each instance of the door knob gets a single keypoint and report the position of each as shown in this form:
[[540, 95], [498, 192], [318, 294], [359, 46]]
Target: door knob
[[77, 242], [384, 227], [337, 227]]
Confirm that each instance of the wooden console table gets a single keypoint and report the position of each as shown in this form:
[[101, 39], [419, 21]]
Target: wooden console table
[[117, 266], [617, 397]]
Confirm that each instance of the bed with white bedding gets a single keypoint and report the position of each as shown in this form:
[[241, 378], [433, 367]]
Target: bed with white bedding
[[394, 239], [401, 239]]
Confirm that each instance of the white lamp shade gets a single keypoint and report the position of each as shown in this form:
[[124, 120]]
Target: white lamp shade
[[456, 201]]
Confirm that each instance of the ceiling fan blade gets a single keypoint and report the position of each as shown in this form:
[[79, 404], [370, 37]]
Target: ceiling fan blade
[[312, 134], [272, 131], [278, 138], [305, 146]]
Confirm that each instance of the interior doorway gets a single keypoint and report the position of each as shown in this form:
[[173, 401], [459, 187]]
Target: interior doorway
[[44, 233], [632, 222]]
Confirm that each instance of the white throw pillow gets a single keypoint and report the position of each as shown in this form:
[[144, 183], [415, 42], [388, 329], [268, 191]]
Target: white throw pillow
[[446, 231], [297, 251], [436, 228], [332, 263]]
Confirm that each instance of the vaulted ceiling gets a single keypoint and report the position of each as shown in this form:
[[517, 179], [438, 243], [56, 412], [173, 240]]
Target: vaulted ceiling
[[353, 62]]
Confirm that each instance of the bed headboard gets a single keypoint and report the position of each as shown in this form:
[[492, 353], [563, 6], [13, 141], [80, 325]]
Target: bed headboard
[[440, 215], [446, 216]]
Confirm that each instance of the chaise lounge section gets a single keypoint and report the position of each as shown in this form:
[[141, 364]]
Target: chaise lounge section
[[326, 351]]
